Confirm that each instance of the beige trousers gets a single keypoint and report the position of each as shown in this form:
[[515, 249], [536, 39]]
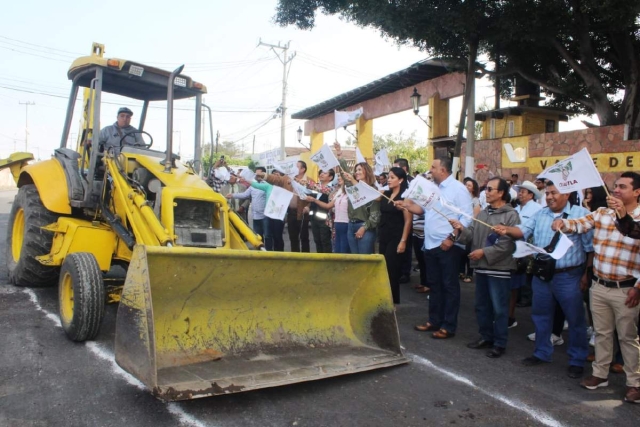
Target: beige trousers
[[610, 314]]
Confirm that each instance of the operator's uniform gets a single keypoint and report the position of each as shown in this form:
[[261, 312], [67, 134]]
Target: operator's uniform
[[111, 135]]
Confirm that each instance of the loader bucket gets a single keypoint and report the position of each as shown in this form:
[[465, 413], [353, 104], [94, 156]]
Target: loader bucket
[[201, 322]]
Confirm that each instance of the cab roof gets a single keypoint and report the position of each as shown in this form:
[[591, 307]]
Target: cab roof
[[132, 79]]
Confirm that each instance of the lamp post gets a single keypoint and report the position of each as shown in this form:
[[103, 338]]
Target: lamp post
[[299, 133], [415, 103]]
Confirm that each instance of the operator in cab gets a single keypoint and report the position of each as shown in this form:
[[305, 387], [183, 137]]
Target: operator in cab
[[111, 135]]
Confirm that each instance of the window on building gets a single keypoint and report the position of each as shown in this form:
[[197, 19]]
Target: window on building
[[492, 129], [549, 126], [512, 128]]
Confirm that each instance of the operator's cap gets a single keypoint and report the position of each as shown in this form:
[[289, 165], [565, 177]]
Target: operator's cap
[[125, 110]]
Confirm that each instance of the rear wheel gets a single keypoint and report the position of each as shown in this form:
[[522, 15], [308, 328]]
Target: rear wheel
[[26, 240], [81, 296]]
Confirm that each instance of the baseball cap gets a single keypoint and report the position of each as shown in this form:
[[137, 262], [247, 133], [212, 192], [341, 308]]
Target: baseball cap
[[124, 110]]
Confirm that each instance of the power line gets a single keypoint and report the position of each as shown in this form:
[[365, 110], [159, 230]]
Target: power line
[[44, 47], [33, 54]]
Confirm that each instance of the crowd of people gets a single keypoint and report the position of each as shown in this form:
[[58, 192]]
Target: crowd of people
[[476, 244]]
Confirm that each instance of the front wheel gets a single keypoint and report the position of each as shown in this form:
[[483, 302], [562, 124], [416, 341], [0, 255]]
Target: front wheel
[[81, 296]]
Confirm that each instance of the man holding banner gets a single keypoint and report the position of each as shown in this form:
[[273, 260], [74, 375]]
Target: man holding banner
[[441, 254], [297, 219], [615, 288], [568, 275], [491, 258]]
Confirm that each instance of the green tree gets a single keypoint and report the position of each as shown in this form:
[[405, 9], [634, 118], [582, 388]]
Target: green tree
[[585, 54], [405, 147]]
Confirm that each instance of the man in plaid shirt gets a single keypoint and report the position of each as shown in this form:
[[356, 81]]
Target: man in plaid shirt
[[615, 289]]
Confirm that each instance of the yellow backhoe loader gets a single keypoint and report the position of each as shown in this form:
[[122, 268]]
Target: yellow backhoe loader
[[203, 310]]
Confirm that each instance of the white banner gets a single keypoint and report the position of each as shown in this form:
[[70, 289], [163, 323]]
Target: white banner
[[278, 203], [222, 174], [359, 157], [423, 192], [524, 249], [300, 190], [574, 173], [378, 169], [453, 208], [324, 158], [345, 118], [289, 167], [361, 194], [247, 174], [382, 158]]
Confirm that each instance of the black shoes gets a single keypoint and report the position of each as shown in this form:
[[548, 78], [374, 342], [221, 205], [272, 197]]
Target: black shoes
[[480, 344], [575, 371], [404, 279], [532, 361], [523, 304], [495, 352]]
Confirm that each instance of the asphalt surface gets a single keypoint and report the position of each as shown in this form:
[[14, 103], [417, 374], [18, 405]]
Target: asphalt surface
[[47, 380]]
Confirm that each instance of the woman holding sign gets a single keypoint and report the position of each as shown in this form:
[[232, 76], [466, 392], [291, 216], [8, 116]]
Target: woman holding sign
[[394, 229], [363, 220]]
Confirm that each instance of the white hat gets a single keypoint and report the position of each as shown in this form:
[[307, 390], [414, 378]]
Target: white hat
[[528, 185]]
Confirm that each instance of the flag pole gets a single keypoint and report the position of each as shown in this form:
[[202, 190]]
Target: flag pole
[[606, 190], [482, 222]]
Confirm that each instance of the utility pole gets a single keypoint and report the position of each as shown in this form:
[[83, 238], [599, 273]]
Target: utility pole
[[26, 127], [253, 148], [286, 60]]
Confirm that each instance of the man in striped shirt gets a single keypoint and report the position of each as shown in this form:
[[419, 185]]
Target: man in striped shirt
[[615, 290]]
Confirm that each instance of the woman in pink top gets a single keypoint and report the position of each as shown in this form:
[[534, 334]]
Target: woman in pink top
[[339, 203]]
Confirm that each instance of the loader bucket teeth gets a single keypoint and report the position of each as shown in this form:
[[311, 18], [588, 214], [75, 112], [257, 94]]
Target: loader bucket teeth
[[201, 322]]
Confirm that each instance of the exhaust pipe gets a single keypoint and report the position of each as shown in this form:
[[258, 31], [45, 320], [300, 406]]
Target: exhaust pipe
[[172, 77]]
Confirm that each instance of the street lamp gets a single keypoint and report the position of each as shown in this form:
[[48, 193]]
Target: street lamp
[[299, 133], [415, 102]]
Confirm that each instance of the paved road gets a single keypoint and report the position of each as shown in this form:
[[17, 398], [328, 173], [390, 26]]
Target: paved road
[[46, 380]]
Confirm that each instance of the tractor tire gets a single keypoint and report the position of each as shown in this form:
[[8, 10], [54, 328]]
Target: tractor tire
[[81, 296], [26, 240]]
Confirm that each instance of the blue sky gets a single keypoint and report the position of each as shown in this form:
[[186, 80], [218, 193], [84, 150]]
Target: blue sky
[[218, 43]]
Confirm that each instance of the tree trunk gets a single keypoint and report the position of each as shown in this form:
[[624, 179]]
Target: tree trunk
[[627, 53], [469, 86]]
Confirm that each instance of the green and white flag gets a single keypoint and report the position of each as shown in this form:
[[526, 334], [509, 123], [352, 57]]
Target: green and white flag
[[423, 192], [324, 158], [574, 173], [361, 194], [278, 203]]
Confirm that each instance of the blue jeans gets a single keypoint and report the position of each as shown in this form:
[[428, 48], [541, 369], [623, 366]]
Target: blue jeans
[[273, 230], [492, 308], [364, 245], [258, 226], [341, 245], [442, 279], [565, 287]]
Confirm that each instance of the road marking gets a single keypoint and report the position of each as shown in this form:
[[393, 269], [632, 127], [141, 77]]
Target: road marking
[[104, 354], [538, 415]]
